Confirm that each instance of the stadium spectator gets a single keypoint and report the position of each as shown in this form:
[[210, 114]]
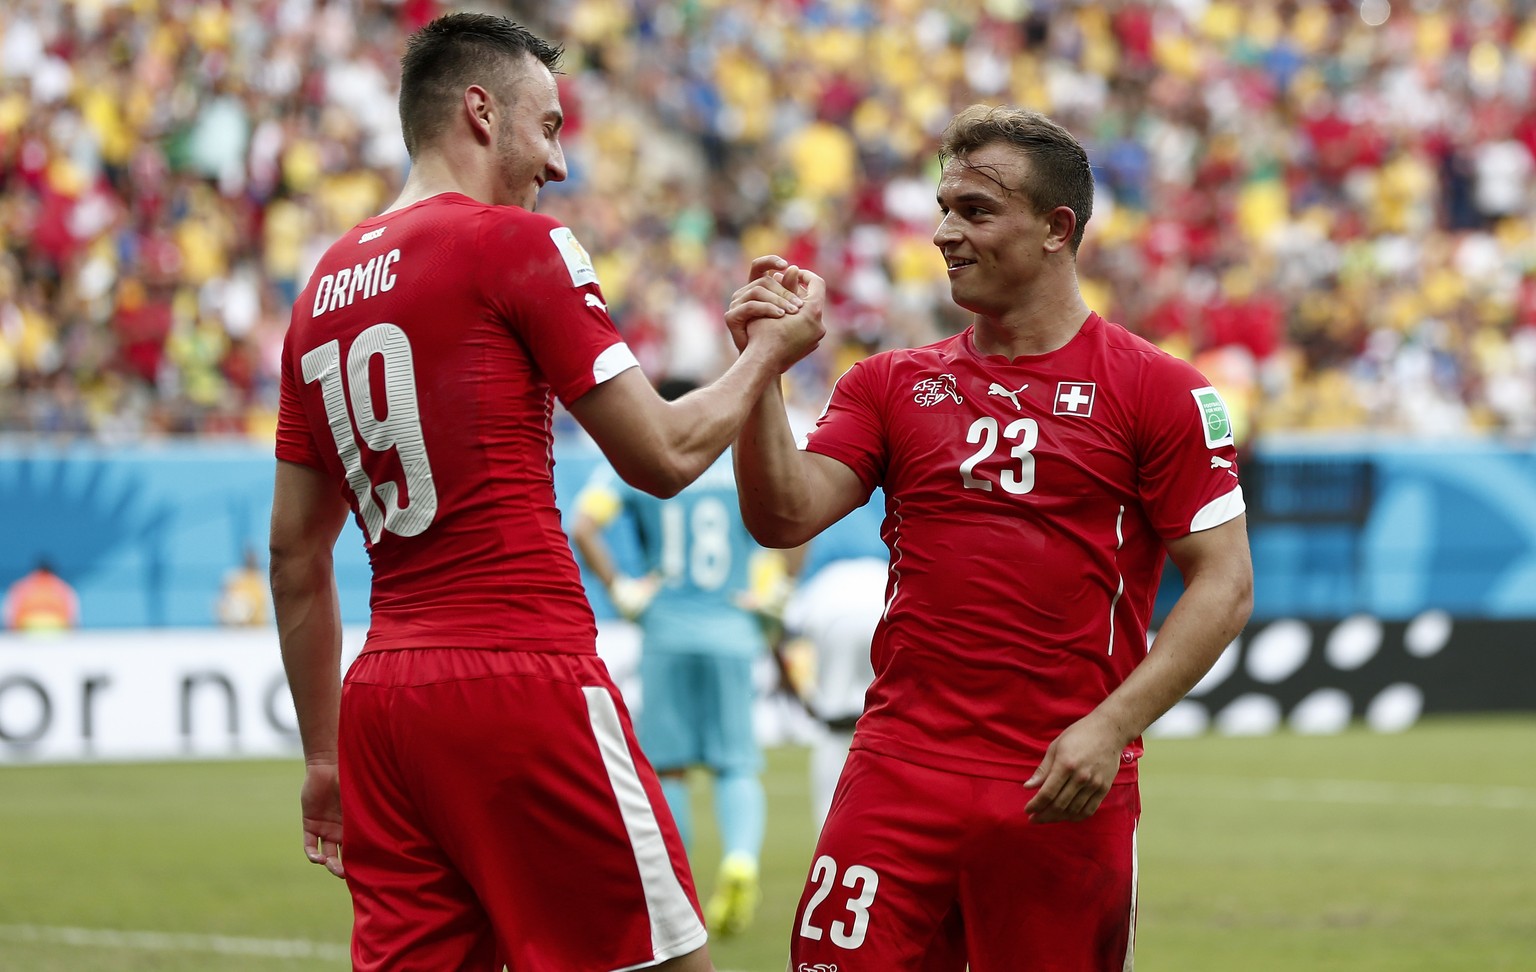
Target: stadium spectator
[[1038, 468], [243, 597], [700, 639], [40, 602], [1367, 176], [476, 779]]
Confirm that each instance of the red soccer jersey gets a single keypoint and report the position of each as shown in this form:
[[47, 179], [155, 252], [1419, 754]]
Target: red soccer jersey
[[1027, 503], [417, 372]]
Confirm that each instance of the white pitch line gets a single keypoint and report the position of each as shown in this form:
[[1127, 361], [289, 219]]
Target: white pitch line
[[175, 942], [1358, 791]]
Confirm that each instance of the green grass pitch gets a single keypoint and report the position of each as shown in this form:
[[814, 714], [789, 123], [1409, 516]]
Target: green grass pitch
[[1358, 853]]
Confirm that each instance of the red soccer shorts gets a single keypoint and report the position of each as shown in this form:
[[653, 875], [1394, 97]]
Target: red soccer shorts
[[919, 870], [496, 808]]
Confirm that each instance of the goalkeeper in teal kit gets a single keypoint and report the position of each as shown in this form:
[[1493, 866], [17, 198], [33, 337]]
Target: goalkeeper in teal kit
[[700, 637]]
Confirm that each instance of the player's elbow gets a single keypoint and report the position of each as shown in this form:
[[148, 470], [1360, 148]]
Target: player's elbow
[[662, 476], [776, 532], [779, 518], [667, 486], [1242, 596], [1232, 589], [295, 564]]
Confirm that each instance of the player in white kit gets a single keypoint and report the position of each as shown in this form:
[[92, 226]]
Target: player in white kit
[[836, 611]]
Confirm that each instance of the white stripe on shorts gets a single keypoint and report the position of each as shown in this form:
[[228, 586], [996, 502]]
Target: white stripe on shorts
[[1130, 941], [675, 927]]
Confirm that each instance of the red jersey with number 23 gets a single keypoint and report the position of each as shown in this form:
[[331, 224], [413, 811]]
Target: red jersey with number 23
[[418, 372], [1027, 505]]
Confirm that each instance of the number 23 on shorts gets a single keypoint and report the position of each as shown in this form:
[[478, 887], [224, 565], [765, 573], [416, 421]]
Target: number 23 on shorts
[[861, 882]]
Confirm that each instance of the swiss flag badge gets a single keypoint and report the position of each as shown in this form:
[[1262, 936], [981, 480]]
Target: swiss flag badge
[[1075, 398]]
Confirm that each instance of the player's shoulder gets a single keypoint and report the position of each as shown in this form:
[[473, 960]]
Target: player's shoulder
[[895, 370], [1133, 353], [895, 361], [546, 244], [514, 220], [1118, 339], [490, 224], [943, 349], [437, 221]]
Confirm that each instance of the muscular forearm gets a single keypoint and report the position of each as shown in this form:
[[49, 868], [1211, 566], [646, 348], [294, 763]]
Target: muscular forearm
[[309, 633], [661, 447], [701, 425], [775, 492]]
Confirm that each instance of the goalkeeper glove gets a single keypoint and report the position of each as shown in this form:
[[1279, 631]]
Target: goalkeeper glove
[[632, 595]]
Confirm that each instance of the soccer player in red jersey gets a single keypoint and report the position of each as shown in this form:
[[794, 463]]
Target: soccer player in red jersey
[[1037, 467], [496, 806]]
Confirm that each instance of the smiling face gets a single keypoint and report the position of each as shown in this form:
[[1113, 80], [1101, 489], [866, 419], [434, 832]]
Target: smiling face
[[994, 242], [528, 152]]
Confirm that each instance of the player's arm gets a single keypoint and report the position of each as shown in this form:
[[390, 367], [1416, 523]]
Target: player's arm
[[788, 495], [596, 507], [660, 446], [307, 517], [1080, 765], [587, 534]]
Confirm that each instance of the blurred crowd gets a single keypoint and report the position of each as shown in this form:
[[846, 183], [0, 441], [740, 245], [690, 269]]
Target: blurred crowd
[[1328, 205]]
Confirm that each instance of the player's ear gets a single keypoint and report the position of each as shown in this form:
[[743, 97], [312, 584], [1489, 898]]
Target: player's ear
[[1060, 223], [479, 109]]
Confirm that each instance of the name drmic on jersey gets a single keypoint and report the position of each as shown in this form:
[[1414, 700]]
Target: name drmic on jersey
[[340, 289]]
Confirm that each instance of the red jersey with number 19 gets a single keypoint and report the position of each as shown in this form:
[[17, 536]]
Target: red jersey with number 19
[[418, 372], [1027, 504]]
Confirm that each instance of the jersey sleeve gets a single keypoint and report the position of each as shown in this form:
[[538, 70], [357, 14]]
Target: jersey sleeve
[[295, 438], [543, 283], [851, 428], [1189, 475]]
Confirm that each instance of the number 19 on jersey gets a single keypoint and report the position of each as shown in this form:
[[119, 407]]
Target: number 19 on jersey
[[400, 429]]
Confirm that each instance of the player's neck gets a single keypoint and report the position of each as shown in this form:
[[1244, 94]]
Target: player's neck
[[434, 174], [1035, 327]]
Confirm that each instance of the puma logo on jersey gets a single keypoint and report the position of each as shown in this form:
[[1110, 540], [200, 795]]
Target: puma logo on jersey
[[372, 235], [818, 967], [595, 301], [1012, 396], [932, 391], [1219, 463]]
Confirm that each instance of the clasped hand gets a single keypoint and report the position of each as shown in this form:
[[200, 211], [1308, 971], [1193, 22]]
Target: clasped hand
[[781, 304]]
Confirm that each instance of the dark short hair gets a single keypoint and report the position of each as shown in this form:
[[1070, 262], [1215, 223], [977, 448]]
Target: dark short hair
[[453, 52], [1059, 170]]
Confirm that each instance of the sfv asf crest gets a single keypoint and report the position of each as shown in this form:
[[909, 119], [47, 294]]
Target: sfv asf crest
[[932, 391]]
